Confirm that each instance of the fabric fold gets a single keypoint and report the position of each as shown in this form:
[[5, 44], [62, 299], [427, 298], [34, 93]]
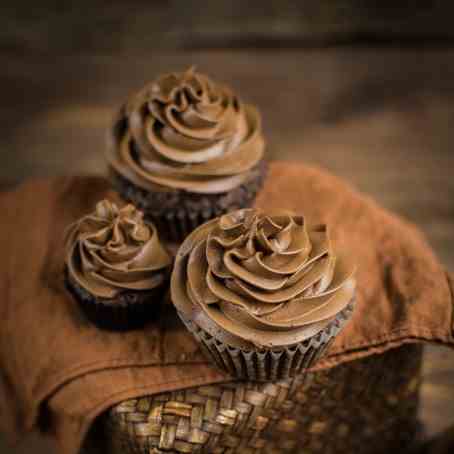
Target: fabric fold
[[450, 278], [56, 368]]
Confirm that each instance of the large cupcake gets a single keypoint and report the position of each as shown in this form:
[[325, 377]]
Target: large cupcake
[[264, 295], [116, 267], [185, 150]]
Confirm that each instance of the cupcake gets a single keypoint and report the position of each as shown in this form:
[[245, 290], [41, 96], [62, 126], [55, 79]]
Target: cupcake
[[116, 267], [264, 295], [186, 150]]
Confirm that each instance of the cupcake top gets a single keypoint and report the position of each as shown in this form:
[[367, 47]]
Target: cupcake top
[[267, 280], [184, 131], [113, 250]]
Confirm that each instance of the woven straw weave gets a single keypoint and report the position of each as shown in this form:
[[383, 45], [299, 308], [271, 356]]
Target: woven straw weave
[[368, 405]]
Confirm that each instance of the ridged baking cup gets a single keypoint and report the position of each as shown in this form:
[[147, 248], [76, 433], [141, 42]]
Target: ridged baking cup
[[177, 213], [127, 313], [270, 364]]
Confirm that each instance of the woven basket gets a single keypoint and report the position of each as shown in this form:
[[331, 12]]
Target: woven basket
[[365, 406]]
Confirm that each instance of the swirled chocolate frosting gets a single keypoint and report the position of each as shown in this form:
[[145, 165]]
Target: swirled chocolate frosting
[[113, 250], [184, 131], [267, 280]]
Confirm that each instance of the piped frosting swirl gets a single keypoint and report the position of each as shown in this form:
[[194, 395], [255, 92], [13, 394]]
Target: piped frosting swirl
[[113, 250], [268, 280], [183, 131]]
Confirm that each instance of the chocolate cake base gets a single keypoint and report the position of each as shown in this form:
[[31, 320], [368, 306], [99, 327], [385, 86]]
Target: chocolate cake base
[[367, 406], [272, 364], [129, 310], [177, 213]]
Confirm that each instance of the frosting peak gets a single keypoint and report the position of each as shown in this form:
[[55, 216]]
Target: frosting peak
[[113, 249], [184, 131], [270, 280]]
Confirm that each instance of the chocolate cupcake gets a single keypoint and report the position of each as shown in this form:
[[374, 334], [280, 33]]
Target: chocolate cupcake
[[264, 295], [185, 150], [116, 267]]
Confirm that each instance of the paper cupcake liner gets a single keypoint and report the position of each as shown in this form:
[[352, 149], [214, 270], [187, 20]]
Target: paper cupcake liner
[[272, 364], [130, 311], [175, 226], [177, 213]]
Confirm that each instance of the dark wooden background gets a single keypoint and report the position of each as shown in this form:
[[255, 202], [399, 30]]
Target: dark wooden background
[[50, 26], [364, 89]]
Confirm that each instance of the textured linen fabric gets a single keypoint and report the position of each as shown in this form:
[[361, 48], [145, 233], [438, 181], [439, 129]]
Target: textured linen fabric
[[58, 372]]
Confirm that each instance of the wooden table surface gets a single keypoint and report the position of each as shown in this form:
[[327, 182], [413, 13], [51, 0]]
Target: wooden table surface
[[381, 118]]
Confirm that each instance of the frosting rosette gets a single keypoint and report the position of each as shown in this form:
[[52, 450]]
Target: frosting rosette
[[113, 250], [267, 280], [185, 132]]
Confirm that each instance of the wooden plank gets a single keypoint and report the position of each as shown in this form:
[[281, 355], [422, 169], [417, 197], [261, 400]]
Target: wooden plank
[[88, 26]]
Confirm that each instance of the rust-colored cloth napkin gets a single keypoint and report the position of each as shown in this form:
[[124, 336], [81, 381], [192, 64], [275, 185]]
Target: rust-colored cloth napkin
[[59, 372]]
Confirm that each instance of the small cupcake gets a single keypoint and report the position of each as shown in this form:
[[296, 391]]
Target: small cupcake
[[264, 295], [116, 267], [185, 150]]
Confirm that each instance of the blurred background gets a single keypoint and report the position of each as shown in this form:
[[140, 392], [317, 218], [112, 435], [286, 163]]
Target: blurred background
[[363, 88]]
